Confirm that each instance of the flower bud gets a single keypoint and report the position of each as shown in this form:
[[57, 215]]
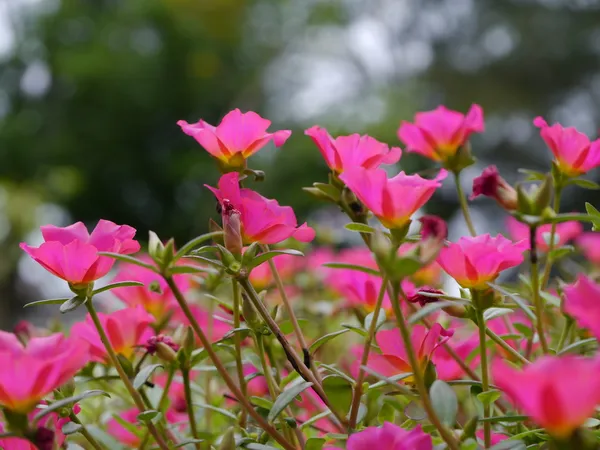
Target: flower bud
[[156, 248], [535, 200], [434, 232], [491, 184], [228, 441], [421, 299], [44, 438], [231, 228], [163, 346]]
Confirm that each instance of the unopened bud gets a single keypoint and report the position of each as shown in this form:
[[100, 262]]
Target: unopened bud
[[232, 227], [155, 287], [434, 231], [228, 441], [189, 341], [535, 200], [163, 346], [156, 248], [430, 374], [350, 200], [381, 245], [491, 184]]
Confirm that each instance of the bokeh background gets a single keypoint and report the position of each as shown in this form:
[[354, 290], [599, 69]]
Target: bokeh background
[[90, 92]]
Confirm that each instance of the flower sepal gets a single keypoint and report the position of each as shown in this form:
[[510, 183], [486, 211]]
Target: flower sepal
[[17, 422], [462, 159]]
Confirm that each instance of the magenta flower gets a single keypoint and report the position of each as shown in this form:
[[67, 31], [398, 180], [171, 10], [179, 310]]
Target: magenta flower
[[263, 220], [352, 151], [582, 302], [15, 443], [236, 138], [392, 200], [589, 245], [287, 266], [446, 366], [29, 373], [475, 261], [156, 302], [491, 184], [438, 134], [565, 231], [71, 253], [126, 329], [558, 393], [218, 328], [394, 360], [391, 437], [574, 153]]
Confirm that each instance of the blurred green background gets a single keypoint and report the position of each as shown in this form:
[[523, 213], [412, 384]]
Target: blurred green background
[[90, 92]]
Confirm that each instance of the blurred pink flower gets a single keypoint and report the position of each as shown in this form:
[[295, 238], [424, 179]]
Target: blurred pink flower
[[589, 244], [558, 393], [582, 302], [156, 302], [287, 266], [496, 437], [263, 220], [574, 153], [28, 374], [392, 200], [438, 134], [352, 151], [445, 365], [122, 434], [429, 275], [126, 329], [236, 138], [214, 328], [565, 232], [475, 261], [71, 253], [14, 443], [393, 359], [391, 437]]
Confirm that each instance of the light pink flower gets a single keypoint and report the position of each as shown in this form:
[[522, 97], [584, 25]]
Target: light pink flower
[[558, 393], [475, 261], [236, 138], [287, 266], [582, 302], [446, 366], [438, 134], [126, 329], [214, 328], [589, 244], [71, 253], [28, 374], [392, 200], [574, 153], [390, 437], [263, 220], [156, 303], [565, 231], [393, 359], [352, 151]]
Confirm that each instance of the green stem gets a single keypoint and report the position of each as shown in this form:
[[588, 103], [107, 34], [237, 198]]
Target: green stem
[[463, 204], [485, 382], [187, 389], [548, 266], [268, 428], [507, 348], [135, 395], [564, 334], [84, 431], [162, 403], [417, 374], [237, 342], [260, 347], [358, 391], [535, 288]]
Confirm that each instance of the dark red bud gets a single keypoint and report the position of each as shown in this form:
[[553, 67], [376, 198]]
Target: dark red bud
[[44, 438], [422, 300], [491, 184], [433, 227], [151, 344]]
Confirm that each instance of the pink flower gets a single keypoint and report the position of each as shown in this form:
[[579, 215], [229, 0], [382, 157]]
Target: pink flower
[[390, 437], [214, 328], [565, 231], [13, 443], [158, 303], [589, 244], [352, 151], [496, 437], [126, 329], [394, 360], [504, 326], [236, 138], [429, 275], [582, 302], [574, 153], [122, 434], [438, 134], [71, 253], [558, 393], [392, 200], [491, 184], [475, 261], [263, 220], [287, 266], [446, 366], [28, 374]]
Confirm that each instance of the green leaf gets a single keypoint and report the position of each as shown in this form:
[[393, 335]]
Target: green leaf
[[108, 287], [316, 418], [181, 269], [414, 412], [532, 175], [356, 329], [577, 345], [329, 190], [286, 397], [492, 313], [561, 252], [444, 402], [192, 244], [264, 257], [430, 308], [488, 397], [339, 391], [71, 428], [526, 331], [262, 402], [256, 446], [149, 415], [221, 411], [243, 331], [358, 268], [380, 320], [68, 401], [287, 326], [129, 259], [359, 227], [568, 217], [387, 413], [509, 445], [202, 259], [585, 184], [515, 298], [72, 304], [504, 419], [187, 442], [144, 374], [50, 301], [324, 339], [314, 444], [405, 267]]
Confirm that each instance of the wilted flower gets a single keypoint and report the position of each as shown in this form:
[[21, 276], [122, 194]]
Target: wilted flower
[[438, 134], [352, 151], [71, 253], [491, 184]]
